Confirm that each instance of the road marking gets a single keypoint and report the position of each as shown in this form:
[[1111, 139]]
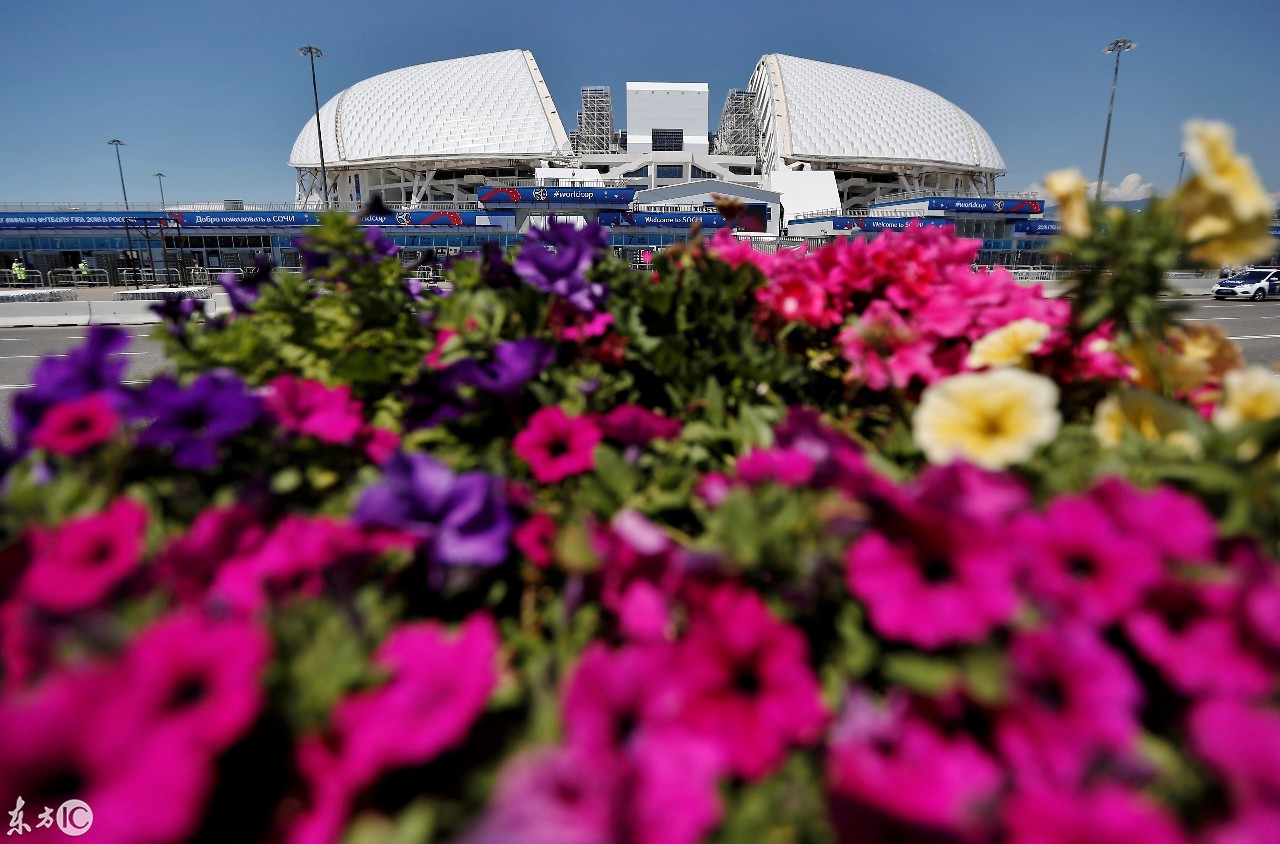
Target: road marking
[[59, 355], [1256, 337], [26, 386], [1208, 318]]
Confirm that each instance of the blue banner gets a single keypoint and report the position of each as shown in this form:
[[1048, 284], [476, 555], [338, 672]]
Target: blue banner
[[660, 219], [1049, 227], [876, 224], [986, 206], [585, 197], [997, 245], [242, 219]]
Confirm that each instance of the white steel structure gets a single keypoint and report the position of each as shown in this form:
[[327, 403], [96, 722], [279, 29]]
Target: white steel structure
[[879, 134], [422, 133], [433, 133]]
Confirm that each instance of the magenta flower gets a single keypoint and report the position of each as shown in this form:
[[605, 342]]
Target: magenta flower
[[188, 564], [1253, 825], [640, 575], [439, 686], [308, 407], [1072, 699], [76, 425], [536, 539], [742, 678], [785, 467], [1107, 814], [1189, 632], [932, 573], [557, 446], [378, 444], [1242, 743], [1175, 523], [883, 351], [550, 796], [1082, 565], [60, 744], [633, 425], [78, 562], [895, 775], [196, 681]]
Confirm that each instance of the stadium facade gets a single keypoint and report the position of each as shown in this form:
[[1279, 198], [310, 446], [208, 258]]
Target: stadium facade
[[474, 150]]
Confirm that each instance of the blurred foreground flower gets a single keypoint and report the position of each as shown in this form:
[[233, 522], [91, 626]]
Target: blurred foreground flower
[[1068, 188], [1225, 213], [993, 419]]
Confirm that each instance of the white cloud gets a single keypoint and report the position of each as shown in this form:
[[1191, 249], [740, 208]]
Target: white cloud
[[1131, 187]]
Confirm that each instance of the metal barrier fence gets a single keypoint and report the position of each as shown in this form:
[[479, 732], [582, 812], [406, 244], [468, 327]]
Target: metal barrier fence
[[29, 278], [73, 277]]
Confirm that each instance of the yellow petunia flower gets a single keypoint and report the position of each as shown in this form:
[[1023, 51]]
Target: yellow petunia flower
[[1225, 212], [992, 419], [1068, 188], [1252, 395], [1009, 345], [1145, 414]]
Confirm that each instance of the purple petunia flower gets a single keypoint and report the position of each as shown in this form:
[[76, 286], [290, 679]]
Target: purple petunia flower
[[312, 259], [379, 243], [244, 292], [511, 367], [176, 310], [194, 421], [555, 260], [460, 519], [95, 367]]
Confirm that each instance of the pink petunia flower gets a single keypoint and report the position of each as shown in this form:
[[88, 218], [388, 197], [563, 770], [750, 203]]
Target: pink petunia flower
[[883, 351], [378, 444], [1072, 699], [439, 686], [187, 565], [1176, 524], [890, 775], [557, 446], [1082, 565], [77, 563], [784, 466], [610, 695], [1107, 814], [536, 539], [76, 425], [1190, 633], [741, 678], [935, 569], [1242, 743], [634, 425], [196, 680], [60, 744], [1253, 825], [308, 407]]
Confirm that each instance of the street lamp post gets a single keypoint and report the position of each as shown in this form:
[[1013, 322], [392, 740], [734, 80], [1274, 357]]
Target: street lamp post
[[314, 53], [117, 143], [160, 179], [1181, 167], [1120, 45]]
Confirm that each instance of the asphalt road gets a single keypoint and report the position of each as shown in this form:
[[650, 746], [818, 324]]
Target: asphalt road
[[1255, 326]]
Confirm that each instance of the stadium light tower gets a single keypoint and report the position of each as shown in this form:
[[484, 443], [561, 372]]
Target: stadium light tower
[[160, 179], [314, 53], [117, 143], [1120, 45]]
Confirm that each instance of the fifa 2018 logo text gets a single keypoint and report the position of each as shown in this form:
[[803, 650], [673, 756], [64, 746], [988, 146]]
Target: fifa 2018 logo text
[[74, 817]]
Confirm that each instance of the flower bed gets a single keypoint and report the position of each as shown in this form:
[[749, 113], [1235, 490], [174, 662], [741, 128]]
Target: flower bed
[[860, 545]]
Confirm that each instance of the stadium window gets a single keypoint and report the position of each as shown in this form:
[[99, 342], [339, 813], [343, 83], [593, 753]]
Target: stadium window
[[699, 173], [643, 172], [670, 171], [668, 140]]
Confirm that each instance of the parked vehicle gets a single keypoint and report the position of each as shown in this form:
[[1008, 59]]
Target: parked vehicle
[[1254, 283]]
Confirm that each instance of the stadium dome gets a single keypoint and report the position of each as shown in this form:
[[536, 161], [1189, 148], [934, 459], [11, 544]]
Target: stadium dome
[[817, 112], [473, 111]]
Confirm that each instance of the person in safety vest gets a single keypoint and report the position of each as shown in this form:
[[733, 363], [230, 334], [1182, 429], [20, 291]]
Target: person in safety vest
[[84, 269], [19, 271]]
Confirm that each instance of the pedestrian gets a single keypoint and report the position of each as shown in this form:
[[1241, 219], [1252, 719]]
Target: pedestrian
[[84, 271], [19, 271]]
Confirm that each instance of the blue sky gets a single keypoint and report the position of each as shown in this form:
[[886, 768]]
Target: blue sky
[[214, 93]]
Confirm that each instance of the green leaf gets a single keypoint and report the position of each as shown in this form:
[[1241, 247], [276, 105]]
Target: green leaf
[[617, 475], [919, 673]]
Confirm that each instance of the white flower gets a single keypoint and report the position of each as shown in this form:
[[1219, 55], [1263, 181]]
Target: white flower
[[992, 419], [1252, 395], [1225, 212], [1009, 345], [1068, 188]]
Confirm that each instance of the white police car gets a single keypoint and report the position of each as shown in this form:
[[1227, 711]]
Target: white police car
[[1255, 283]]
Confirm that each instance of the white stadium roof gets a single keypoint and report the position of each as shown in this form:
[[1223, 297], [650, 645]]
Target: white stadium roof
[[816, 111], [477, 108]]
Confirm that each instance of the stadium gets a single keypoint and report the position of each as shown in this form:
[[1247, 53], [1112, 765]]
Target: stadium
[[474, 150]]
